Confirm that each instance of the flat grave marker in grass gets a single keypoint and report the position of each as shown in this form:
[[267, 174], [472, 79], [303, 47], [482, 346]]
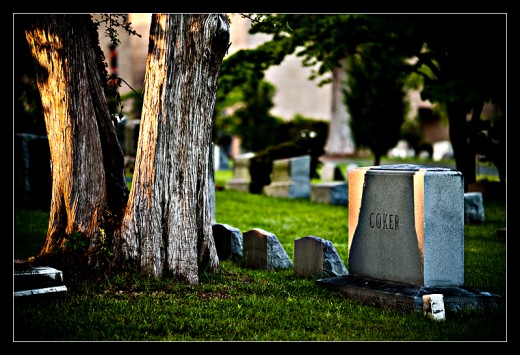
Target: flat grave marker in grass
[[262, 250]]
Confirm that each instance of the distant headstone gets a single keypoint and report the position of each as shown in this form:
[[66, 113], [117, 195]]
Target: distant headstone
[[314, 256], [262, 250], [225, 152], [131, 137], [228, 241], [406, 224], [32, 171], [331, 192], [331, 172], [290, 178], [241, 177], [442, 150], [473, 208]]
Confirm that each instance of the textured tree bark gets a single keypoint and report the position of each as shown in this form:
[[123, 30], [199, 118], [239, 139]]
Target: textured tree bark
[[339, 140], [88, 181], [166, 229]]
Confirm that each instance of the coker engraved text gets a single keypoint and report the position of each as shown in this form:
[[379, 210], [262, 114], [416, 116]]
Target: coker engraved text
[[384, 221]]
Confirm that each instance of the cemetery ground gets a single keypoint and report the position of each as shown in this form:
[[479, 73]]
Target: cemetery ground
[[241, 304]]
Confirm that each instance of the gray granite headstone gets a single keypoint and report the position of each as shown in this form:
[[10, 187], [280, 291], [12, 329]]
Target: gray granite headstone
[[290, 178], [473, 208], [262, 250], [314, 256], [224, 158], [228, 241], [406, 224]]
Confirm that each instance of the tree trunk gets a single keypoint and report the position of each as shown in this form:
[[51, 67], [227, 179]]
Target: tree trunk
[[166, 229], [339, 140], [459, 137], [88, 182]]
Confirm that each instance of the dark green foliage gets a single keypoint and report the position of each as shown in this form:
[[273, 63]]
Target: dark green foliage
[[461, 58], [411, 133], [376, 99], [316, 38], [244, 99], [253, 123], [466, 58], [136, 101], [114, 21], [242, 87]]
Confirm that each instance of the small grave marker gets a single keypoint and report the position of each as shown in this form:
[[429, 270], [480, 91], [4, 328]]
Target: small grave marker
[[262, 250], [473, 208], [228, 241], [314, 256]]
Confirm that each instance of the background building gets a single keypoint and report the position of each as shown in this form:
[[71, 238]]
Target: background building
[[295, 93]]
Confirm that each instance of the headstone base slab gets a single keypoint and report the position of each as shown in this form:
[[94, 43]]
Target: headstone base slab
[[407, 297]]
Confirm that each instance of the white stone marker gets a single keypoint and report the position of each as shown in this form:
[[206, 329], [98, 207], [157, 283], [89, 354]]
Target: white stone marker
[[433, 306]]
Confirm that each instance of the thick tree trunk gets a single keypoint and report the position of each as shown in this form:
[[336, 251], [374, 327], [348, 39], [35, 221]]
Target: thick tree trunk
[[459, 137], [88, 182], [166, 229], [339, 140]]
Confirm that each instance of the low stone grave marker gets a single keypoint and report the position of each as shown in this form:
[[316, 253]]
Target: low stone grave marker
[[262, 250], [473, 208], [406, 238], [37, 281], [241, 176], [333, 187], [314, 256], [290, 178], [228, 241], [332, 192]]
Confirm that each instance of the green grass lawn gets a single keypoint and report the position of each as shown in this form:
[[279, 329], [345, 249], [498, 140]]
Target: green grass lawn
[[240, 304]]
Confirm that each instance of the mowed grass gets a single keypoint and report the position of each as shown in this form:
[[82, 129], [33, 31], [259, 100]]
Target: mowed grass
[[241, 304]]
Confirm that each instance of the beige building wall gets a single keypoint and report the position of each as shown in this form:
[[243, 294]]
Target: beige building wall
[[295, 93]]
